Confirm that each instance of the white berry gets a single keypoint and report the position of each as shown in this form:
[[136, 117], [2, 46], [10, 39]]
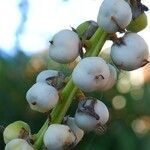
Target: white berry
[[67, 38], [14, 131], [18, 144], [132, 53], [58, 137], [90, 74], [79, 133], [44, 75], [91, 114], [112, 78], [64, 46], [114, 15], [62, 54], [52, 77], [42, 97]]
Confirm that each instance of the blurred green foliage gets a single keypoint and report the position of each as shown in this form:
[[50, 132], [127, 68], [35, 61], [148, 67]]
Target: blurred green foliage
[[18, 74]]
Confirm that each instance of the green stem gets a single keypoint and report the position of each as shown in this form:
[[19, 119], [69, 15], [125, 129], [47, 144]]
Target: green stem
[[66, 99], [100, 44], [42, 128], [94, 40], [39, 136], [67, 94]]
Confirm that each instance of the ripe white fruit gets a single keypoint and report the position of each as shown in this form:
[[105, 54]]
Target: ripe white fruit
[[42, 97], [58, 137], [42, 76], [91, 74], [18, 144], [91, 114], [65, 46], [112, 78], [132, 53], [52, 77], [62, 54], [114, 15], [75, 129], [14, 131], [67, 38]]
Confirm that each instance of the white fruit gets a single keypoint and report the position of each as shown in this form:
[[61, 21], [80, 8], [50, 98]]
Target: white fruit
[[14, 130], [42, 97], [64, 47], [114, 15], [75, 129], [112, 78], [52, 77], [58, 137], [66, 38], [42, 76], [91, 74], [131, 54], [91, 114], [62, 54], [18, 144]]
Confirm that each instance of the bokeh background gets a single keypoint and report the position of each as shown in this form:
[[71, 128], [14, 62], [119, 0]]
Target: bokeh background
[[26, 26]]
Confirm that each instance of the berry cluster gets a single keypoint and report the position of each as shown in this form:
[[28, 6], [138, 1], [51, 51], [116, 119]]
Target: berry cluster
[[53, 92]]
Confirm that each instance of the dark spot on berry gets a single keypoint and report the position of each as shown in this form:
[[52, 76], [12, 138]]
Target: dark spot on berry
[[119, 28], [32, 141], [89, 109], [51, 42], [33, 103], [145, 62], [98, 76]]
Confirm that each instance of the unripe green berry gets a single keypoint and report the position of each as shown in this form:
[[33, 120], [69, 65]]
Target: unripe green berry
[[81, 29], [138, 24], [15, 130], [87, 29]]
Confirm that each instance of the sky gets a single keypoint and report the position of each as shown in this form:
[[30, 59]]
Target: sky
[[43, 20]]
